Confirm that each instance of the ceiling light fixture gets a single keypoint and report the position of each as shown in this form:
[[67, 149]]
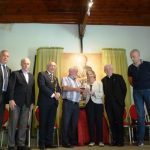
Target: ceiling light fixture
[[90, 3]]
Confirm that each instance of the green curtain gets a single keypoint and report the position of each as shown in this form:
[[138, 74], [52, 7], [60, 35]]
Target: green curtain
[[117, 57], [43, 56]]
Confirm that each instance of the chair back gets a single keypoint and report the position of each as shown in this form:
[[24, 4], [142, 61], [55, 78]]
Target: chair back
[[6, 116], [133, 113], [37, 113]]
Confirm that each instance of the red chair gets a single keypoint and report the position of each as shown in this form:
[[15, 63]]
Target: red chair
[[126, 124], [133, 119], [4, 125], [55, 127]]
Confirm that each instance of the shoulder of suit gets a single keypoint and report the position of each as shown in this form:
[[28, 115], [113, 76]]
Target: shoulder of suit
[[42, 72], [103, 78], [16, 71], [117, 76]]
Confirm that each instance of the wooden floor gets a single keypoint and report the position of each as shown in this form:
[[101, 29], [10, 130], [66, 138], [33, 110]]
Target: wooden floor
[[126, 147]]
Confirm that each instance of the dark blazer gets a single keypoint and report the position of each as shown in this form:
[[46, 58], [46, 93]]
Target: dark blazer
[[19, 90], [1, 81], [118, 89], [47, 88]]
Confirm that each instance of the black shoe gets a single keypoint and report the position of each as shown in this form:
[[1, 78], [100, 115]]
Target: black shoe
[[23, 148], [114, 144], [51, 146], [67, 145], [120, 144], [11, 148], [42, 147]]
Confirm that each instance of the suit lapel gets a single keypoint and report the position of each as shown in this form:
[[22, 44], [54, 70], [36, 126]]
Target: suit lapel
[[22, 76], [47, 76], [8, 71]]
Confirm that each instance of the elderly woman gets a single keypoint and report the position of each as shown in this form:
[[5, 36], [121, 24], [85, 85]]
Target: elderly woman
[[94, 108]]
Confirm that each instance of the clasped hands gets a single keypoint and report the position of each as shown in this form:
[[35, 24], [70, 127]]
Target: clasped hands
[[57, 95]]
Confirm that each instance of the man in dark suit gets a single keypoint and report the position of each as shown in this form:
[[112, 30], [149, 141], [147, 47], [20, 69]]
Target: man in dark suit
[[4, 76], [49, 93], [21, 95], [115, 91]]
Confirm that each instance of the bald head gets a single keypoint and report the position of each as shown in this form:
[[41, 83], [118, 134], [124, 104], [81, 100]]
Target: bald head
[[108, 69], [135, 56], [25, 64], [73, 71], [51, 66]]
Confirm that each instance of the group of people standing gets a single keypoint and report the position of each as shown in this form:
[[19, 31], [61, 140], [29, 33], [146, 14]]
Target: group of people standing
[[17, 89]]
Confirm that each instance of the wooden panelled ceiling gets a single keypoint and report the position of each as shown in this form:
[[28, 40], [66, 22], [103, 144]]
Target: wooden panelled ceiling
[[103, 12]]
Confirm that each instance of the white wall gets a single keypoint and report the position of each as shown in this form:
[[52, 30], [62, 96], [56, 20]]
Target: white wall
[[22, 40]]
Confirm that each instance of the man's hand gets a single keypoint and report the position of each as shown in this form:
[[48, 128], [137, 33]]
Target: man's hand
[[57, 95], [12, 104]]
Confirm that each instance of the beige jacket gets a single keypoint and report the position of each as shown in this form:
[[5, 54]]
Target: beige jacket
[[97, 90]]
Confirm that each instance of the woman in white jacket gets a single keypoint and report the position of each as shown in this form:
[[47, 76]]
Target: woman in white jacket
[[94, 108]]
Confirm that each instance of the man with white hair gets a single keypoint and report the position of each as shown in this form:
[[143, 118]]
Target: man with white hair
[[70, 110], [115, 91], [21, 96], [139, 78], [48, 99]]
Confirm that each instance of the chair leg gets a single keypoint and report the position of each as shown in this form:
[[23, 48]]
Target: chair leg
[[2, 138], [29, 138], [57, 137], [130, 138], [37, 138]]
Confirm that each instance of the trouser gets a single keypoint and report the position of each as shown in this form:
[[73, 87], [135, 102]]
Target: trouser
[[70, 117], [18, 119], [95, 121], [2, 108], [115, 117], [141, 97], [47, 116]]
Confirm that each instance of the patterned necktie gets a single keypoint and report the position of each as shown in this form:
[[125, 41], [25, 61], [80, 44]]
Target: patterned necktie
[[51, 76], [5, 84]]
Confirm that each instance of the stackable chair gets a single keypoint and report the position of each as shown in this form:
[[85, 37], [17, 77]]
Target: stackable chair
[[126, 124], [4, 126]]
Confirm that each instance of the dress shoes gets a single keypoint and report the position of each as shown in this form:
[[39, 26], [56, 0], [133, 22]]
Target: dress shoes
[[23, 148], [41, 147], [50, 146], [114, 144], [67, 145], [120, 144]]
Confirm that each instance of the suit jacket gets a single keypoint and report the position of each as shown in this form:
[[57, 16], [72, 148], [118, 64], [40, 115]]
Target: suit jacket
[[1, 81], [118, 89], [19, 90], [47, 88]]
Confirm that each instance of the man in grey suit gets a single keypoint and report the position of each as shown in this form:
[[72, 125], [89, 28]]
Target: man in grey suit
[[21, 95], [4, 76]]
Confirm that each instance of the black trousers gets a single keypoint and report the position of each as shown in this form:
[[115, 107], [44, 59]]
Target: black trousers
[[47, 116], [115, 117], [95, 121], [70, 115], [2, 108]]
